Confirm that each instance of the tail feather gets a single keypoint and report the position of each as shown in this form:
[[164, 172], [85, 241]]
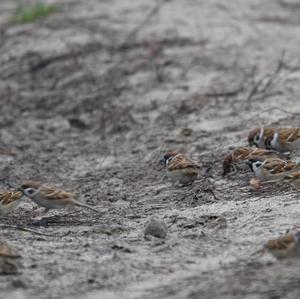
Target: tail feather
[[80, 204]]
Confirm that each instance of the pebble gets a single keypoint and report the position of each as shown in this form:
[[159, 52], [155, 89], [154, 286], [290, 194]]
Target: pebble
[[156, 228]]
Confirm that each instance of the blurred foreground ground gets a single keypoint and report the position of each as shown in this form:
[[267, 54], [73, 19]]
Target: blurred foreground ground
[[89, 98]]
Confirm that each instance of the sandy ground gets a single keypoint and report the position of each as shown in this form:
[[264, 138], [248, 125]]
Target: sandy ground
[[90, 98]]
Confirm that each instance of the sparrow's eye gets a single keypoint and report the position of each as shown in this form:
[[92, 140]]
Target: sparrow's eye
[[258, 164], [256, 138], [30, 191]]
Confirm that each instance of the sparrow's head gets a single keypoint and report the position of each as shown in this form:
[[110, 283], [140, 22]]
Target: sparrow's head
[[29, 188], [255, 163], [167, 157], [255, 137]]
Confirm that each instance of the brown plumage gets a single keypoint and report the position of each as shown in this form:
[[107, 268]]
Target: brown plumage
[[242, 154], [275, 170], [181, 162], [180, 168], [6, 251], [8, 259], [281, 139], [284, 246], [279, 166], [50, 197], [54, 194], [7, 197], [9, 200], [289, 134]]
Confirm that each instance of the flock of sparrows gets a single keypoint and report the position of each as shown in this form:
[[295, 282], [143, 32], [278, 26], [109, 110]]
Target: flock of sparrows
[[268, 161]]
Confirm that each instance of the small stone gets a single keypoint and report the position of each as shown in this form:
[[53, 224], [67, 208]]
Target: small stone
[[186, 131], [156, 228]]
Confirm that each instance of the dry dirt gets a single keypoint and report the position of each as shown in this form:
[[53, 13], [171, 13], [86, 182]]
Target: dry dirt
[[90, 98]]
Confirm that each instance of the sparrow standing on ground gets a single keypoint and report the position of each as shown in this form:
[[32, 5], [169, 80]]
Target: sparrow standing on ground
[[8, 264], [282, 139], [179, 168], [272, 169], [241, 154], [50, 197], [9, 200], [285, 246]]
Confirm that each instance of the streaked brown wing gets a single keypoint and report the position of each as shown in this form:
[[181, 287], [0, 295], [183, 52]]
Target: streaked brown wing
[[263, 153], [269, 133], [272, 164], [276, 166], [6, 251], [285, 167], [290, 166], [180, 162], [247, 153], [244, 153], [8, 197], [53, 193], [289, 134], [241, 153], [281, 243]]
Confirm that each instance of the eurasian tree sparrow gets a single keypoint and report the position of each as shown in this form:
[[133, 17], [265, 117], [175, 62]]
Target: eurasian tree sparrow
[[272, 169], [282, 139], [179, 168], [8, 264], [241, 154], [50, 197], [285, 246], [9, 200]]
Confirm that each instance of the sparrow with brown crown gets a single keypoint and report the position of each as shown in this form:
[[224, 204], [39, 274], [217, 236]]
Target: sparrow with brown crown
[[241, 154], [282, 139], [286, 246], [9, 200], [51, 197], [179, 168], [272, 169]]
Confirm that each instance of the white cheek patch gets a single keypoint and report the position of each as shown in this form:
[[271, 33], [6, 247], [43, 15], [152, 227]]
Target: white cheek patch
[[261, 135], [274, 140], [258, 169], [168, 161]]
